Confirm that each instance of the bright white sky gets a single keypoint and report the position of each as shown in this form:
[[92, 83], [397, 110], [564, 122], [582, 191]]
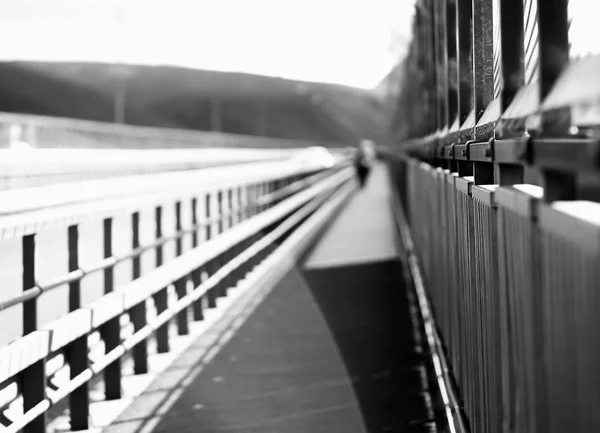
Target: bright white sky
[[342, 41]]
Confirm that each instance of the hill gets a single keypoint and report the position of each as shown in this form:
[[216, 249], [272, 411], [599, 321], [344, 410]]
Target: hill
[[195, 99]]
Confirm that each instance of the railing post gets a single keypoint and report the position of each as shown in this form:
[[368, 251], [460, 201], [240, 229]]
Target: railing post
[[160, 297], [33, 378], [195, 222], [240, 205], [553, 30], [483, 56], [111, 331], [511, 50], [181, 284], [211, 268], [77, 351], [208, 214], [452, 70], [554, 56], [220, 211], [465, 58], [178, 228], [138, 312], [197, 274], [230, 206]]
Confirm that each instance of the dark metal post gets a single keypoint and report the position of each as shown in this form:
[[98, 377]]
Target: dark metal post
[[111, 331], [208, 216], [452, 70], [220, 211], [30, 306], [230, 206], [465, 58], [483, 56], [197, 274], [138, 312], [195, 222], [160, 297], [181, 284], [77, 352], [178, 229], [75, 286], [511, 50], [33, 378], [554, 56]]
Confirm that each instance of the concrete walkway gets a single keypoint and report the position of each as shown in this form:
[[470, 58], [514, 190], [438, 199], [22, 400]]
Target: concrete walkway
[[330, 349]]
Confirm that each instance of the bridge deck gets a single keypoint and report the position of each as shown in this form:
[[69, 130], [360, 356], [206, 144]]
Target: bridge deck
[[330, 349], [363, 232]]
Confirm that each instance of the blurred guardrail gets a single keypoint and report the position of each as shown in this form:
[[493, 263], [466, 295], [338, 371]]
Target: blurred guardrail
[[38, 167], [513, 279], [267, 211], [54, 132]]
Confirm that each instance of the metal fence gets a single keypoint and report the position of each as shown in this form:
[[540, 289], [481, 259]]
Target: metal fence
[[513, 285], [498, 160], [239, 219]]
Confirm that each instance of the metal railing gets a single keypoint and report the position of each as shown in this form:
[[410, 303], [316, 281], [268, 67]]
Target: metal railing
[[498, 170], [512, 281], [247, 215]]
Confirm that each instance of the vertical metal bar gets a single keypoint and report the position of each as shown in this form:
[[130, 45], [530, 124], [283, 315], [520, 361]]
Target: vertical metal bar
[[111, 331], [29, 307], [465, 58], [431, 65], [220, 211], [197, 280], [158, 234], [230, 206], [554, 56], [483, 56], [138, 312], [182, 317], [208, 216], [197, 274], [178, 228], [211, 296], [77, 351], [443, 64], [181, 284], [483, 173], [161, 297], [512, 49], [33, 388], [73, 251], [452, 70], [194, 222], [33, 378], [240, 204]]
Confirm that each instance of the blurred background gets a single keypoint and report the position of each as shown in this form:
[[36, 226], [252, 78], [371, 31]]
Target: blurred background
[[313, 69]]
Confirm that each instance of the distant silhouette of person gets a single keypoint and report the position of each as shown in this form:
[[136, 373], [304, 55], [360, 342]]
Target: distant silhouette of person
[[363, 161]]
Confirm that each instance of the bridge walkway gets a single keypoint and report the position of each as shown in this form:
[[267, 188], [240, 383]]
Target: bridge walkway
[[330, 348]]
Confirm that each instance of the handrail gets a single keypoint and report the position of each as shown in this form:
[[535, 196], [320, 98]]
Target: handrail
[[108, 262], [23, 211], [287, 193]]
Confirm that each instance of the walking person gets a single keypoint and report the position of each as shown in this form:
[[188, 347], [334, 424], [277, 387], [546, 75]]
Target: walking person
[[363, 161]]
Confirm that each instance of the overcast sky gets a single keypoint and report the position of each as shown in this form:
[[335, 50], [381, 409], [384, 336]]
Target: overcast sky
[[343, 41]]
